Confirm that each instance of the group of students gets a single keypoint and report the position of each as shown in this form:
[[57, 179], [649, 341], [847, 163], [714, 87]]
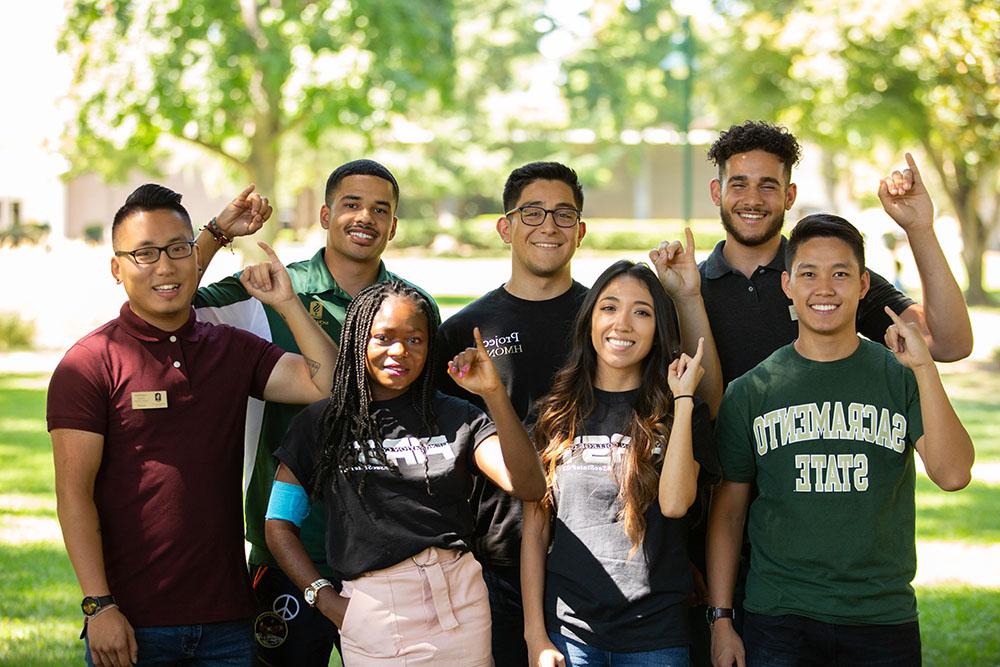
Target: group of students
[[528, 482]]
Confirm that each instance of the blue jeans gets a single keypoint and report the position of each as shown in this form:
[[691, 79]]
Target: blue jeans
[[583, 655], [796, 641], [228, 644]]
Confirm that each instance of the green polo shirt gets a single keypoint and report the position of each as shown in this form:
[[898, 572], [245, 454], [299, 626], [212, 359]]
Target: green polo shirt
[[226, 302]]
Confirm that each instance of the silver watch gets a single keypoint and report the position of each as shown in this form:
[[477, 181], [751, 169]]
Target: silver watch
[[312, 591]]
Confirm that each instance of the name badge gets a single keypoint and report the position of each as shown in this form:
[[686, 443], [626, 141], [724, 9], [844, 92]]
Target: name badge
[[149, 400], [792, 314]]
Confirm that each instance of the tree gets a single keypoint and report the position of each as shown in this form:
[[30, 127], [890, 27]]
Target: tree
[[239, 77], [853, 75]]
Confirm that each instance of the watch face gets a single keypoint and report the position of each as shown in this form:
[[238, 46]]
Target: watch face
[[310, 596], [89, 606]]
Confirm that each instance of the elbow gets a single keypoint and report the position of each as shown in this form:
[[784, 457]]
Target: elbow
[[955, 481], [955, 349], [676, 507]]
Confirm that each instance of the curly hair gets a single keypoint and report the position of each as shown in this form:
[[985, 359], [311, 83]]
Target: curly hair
[[347, 419], [751, 135], [571, 400]]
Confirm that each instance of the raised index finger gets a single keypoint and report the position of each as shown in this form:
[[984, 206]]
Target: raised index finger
[[269, 251], [700, 351], [246, 193], [688, 241], [913, 167], [893, 316], [479, 340]]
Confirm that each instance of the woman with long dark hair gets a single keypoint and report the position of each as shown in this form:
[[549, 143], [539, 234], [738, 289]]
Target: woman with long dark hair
[[392, 459], [604, 565]]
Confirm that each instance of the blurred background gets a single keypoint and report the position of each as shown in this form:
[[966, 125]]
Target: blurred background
[[207, 96]]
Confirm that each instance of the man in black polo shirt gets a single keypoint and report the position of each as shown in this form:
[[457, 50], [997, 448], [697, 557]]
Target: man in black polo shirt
[[741, 280]]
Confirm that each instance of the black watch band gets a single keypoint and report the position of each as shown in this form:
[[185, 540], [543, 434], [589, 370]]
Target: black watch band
[[712, 614], [93, 604]]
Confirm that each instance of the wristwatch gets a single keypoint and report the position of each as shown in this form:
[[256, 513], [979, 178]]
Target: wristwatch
[[312, 591], [91, 604], [712, 614]]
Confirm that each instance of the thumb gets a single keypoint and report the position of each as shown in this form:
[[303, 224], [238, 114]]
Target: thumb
[[269, 251]]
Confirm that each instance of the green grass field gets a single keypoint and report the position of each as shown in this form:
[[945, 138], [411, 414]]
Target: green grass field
[[39, 596]]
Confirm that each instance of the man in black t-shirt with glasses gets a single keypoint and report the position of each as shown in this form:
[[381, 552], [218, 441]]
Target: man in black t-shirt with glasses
[[526, 324]]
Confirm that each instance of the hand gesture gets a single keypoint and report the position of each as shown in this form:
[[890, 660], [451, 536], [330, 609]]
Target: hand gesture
[[906, 342], [244, 215], [905, 198], [676, 267], [111, 640], [685, 372], [473, 370], [268, 282]]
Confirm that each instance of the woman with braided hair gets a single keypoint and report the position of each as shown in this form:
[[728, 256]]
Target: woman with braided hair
[[604, 565], [392, 460]]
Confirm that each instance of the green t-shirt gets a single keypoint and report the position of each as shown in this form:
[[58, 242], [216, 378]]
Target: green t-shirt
[[830, 448], [226, 302]]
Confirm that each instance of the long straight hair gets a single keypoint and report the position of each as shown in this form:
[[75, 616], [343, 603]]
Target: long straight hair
[[564, 410], [347, 418]]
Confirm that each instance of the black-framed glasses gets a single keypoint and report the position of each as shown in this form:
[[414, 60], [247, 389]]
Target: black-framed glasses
[[533, 216], [151, 254]]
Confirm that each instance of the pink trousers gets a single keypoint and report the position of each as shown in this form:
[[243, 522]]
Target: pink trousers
[[431, 609]]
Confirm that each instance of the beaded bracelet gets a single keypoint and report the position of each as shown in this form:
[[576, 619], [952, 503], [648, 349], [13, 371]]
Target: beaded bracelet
[[220, 237]]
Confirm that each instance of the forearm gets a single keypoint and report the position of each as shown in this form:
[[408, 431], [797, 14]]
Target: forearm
[[318, 349], [534, 544], [520, 458], [679, 474], [82, 534], [694, 324], [945, 448], [723, 543], [293, 559], [946, 316]]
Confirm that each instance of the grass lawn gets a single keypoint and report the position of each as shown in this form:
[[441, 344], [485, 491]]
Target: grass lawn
[[40, 622]]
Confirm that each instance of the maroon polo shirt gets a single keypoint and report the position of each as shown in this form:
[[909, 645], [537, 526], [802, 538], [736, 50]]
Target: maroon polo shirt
[[171, 407]]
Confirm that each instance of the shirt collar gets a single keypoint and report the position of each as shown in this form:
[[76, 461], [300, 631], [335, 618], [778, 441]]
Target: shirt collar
[[139, 328], [716, 265], [317, 277]]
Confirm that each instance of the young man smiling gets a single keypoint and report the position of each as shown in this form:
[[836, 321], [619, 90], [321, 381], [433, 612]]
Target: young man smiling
[[826, 428], [359, 216], [749, 314], [146, 416]]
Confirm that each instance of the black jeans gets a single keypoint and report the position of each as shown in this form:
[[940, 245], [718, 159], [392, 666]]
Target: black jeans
[[796, 641], [504, 586]]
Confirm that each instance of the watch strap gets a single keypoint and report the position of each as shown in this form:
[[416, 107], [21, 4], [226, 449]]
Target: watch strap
[[712, 614]]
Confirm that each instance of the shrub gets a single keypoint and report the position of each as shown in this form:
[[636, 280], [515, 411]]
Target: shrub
[[15, 333]]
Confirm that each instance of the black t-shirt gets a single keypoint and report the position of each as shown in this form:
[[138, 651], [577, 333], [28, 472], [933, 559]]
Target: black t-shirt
[[595, 593], [394, 517], [528, 342], [752, 317]]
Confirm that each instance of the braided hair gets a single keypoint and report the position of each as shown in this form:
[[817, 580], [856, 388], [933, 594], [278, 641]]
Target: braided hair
[[347, 423]]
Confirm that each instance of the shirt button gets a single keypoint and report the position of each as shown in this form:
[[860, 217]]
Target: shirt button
[[173, 339], [761, 271], [750, 288], [177, 364]]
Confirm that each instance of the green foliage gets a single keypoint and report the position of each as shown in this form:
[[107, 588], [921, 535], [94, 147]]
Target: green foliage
[[15, 333], [30, 233]]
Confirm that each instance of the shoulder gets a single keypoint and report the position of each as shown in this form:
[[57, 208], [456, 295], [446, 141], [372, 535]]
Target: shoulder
[[485, 306]]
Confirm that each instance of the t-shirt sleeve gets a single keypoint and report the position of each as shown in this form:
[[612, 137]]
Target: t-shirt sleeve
[[301, 446], [220, 294], [872, 320], [703, 444], [480, 425], [258, 355], [79, 393], [734, 437]]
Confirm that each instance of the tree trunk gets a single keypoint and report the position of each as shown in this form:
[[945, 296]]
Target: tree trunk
[[973, 248]]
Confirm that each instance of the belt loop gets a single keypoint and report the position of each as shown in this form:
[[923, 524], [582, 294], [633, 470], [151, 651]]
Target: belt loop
[[439, 592]]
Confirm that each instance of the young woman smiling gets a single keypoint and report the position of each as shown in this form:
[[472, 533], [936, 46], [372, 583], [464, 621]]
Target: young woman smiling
[[393, 460], [604, 566]]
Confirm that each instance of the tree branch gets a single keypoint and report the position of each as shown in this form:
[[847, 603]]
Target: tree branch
[[215, 149]]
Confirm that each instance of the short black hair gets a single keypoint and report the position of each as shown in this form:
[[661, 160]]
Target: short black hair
[[362, 167], [527, 174], [825, 225], [151, 197], [752, 135]]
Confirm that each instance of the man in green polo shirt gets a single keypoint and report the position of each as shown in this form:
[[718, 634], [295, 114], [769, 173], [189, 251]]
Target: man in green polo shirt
[[358, 214]]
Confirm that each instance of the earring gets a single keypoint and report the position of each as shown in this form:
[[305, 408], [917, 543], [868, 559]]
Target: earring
[[118, 281]]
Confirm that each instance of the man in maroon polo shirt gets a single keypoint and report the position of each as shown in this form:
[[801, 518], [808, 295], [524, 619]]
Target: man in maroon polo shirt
[[146, 416]]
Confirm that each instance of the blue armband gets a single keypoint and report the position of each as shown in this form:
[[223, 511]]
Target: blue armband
[[289, 502]]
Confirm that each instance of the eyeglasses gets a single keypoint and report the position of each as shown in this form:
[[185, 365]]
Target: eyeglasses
[[151, 254], [533, 216]]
